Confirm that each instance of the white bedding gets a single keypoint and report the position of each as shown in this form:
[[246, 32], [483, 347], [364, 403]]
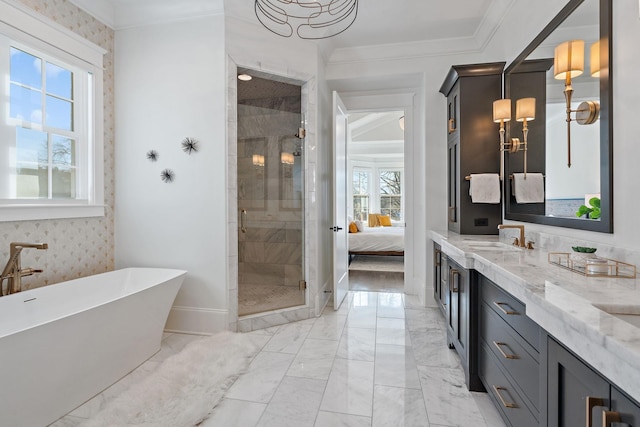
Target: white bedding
[[377, 239]]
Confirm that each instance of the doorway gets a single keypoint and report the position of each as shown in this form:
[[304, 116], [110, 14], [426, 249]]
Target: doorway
[[376, 200], [270, 183]]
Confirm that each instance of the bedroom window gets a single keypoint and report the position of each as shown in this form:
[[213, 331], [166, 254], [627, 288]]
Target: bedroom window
[[391, 194], [51, 148], [361, 181]]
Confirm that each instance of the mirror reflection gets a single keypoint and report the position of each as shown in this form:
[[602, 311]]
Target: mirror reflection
[[567, 72]]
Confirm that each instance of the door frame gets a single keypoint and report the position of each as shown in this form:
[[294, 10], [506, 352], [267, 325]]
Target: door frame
[[405, 101]]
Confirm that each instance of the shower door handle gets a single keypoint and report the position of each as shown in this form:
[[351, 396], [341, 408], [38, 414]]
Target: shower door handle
[[243, 215]]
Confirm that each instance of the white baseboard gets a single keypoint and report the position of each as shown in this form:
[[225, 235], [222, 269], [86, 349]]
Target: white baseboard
[[194, 320]]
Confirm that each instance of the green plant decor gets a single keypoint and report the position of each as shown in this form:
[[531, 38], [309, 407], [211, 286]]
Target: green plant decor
[[592, 212]]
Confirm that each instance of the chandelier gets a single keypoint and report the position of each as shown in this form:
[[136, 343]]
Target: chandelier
[[309, 19]]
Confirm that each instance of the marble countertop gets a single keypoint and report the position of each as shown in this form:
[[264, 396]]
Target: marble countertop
[[562, 302]]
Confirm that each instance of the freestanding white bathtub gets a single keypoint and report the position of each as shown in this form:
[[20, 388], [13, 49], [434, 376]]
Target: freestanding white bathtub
[[60, 345]]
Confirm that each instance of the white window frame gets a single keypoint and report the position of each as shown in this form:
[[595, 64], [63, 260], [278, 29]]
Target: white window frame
[[359, 169], [22, 27]]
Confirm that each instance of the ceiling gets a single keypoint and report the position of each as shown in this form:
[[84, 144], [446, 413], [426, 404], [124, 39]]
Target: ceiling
[[381, 27], [377, 23]]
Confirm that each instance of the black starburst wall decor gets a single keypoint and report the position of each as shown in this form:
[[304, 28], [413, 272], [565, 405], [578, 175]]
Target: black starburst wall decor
[[190, 145], [152, 155], [167, 175]]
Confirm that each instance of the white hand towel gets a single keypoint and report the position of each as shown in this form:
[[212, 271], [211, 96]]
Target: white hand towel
[[530, 190], [485, 188]]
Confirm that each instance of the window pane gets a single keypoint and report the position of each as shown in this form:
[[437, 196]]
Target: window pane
[[390, 182], [63, 153], [360, 208], [31, 163], [25, 69], [64, 182], [26, 104], [59, 81], [59, 113]]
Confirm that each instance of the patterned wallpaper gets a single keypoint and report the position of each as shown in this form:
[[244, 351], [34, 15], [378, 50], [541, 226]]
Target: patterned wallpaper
[[81, 246]]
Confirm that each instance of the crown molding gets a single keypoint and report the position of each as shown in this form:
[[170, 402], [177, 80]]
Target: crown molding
[[125, 14], [476, 43], [102, 10]]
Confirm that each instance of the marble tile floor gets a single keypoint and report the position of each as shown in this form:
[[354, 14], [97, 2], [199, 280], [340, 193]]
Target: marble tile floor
[[380, 360], [254, 299], [377, 281]]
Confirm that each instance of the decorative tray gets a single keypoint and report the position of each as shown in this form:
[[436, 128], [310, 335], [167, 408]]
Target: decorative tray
[[592, 266]]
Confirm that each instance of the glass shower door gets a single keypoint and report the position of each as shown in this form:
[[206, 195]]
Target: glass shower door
[[270, 199]]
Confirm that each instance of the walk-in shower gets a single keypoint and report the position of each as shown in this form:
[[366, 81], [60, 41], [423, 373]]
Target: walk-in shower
[[270, 196]]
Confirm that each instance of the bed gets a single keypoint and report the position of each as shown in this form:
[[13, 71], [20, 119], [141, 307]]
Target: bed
[[377, 241]]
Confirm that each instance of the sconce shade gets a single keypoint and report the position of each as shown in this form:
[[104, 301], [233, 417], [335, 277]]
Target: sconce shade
[[502, 110], [287, 158], [525, 109], [401, 122], [568, 59], [258, 160], [595, 59]]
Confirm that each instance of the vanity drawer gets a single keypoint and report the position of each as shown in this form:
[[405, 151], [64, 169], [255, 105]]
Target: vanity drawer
[[517, 358], [503, 393], [511, 311]]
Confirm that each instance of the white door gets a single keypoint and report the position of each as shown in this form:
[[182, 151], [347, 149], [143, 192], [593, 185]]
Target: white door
[[340, 226]]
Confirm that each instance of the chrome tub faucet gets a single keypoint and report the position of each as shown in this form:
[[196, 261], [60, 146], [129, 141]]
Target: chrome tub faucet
[[13, 271]]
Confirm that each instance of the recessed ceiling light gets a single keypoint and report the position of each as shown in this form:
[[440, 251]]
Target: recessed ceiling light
[[244, 77]]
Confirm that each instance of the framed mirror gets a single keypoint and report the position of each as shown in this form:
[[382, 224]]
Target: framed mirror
[[572, 151]]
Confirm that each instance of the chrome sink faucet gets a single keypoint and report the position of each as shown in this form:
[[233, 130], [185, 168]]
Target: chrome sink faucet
[[518, 241], [13, 271]]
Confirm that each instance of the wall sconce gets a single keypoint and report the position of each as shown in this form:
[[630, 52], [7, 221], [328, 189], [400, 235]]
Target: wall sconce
[[287, 158], [594, 59], [568, 62], [258, 160], [502, 114], [525, 111], [401, 122]]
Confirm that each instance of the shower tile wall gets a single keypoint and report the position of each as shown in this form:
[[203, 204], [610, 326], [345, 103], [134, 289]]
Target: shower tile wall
[[271, 250], [82, 246]]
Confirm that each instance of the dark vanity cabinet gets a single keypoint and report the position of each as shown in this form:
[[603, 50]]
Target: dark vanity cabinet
[[440, 285], [472, 143], [461, 316], [580, 396], [509, 356]]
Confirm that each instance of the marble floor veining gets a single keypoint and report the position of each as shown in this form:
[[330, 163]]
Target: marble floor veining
[[377, 361], [380, 360]]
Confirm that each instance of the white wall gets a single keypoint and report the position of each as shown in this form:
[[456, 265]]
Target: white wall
[[518, 28], [170, 84]]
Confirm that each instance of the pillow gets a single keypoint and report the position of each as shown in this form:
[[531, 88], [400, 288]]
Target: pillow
[[353, 228], [360, 226], [384, 220], [373, 220]]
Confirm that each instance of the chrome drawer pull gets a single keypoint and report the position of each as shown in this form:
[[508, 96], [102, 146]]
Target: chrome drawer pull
[[499, 346], [506, 404], [509, 311], [591, 403]]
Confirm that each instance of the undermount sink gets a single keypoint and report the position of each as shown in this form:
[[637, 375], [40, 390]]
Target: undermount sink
[[491, 246], [628, 313]]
